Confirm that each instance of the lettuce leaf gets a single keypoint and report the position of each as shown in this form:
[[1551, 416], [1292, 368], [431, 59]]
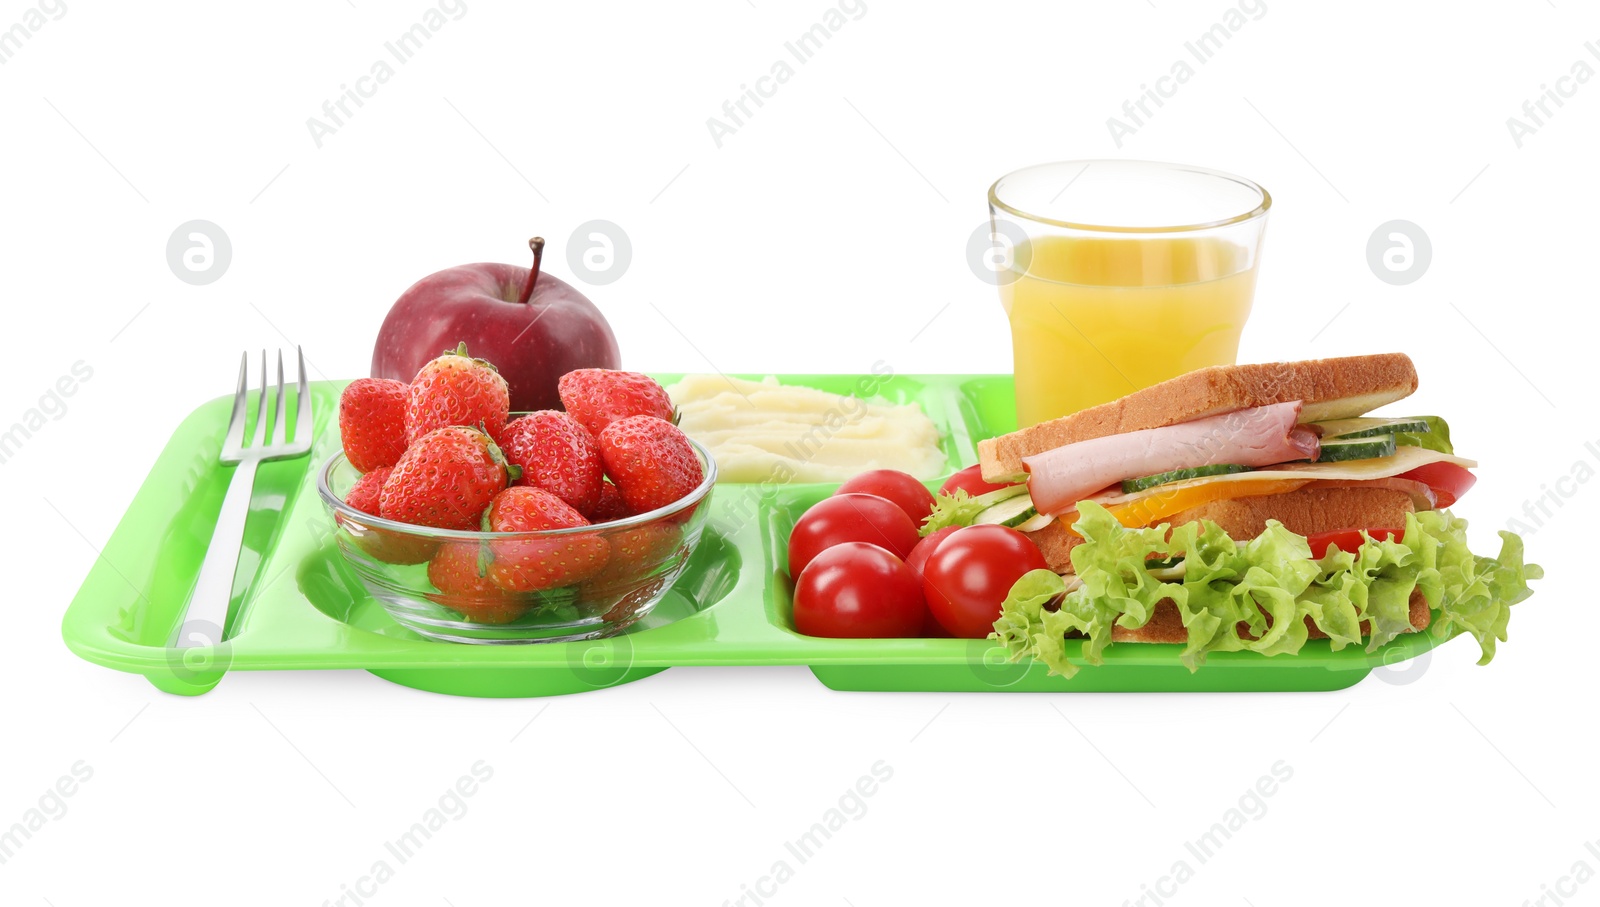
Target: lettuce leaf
[[1256, 596], [1477, 592], [1436, 438], [955, 509]]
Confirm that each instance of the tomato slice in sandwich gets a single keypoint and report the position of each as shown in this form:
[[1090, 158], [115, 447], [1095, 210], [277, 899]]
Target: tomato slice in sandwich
[[1448, 481], [1347, 539]]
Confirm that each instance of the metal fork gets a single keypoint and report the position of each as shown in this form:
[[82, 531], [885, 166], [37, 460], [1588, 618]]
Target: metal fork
[[207, 614]]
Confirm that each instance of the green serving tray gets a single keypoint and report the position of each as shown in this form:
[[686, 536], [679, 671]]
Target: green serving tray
[[297, 607]]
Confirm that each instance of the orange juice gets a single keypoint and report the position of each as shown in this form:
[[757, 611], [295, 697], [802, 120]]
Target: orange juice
[[1096, 318]]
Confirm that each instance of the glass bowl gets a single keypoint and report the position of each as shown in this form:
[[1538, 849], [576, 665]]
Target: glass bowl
[[643, 554]]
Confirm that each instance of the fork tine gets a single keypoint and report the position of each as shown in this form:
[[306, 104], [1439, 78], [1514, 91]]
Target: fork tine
[[280, 419], [302, 403], [235, 436], [260, 433]]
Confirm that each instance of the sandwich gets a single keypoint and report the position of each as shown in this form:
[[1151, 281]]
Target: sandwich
[[1248, 507]]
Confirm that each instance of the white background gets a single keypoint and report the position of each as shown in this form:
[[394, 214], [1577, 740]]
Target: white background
[[826, 233]]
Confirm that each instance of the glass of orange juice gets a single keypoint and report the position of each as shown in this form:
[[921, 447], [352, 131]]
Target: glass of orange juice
[[1121, 274]]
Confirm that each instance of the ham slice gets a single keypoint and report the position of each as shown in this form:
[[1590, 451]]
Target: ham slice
[[1259, 436]]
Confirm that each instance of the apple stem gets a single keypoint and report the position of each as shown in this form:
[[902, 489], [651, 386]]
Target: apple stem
[[537, 245]]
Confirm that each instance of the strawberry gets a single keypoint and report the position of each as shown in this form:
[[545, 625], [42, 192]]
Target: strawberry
[[626, 609], [396, 547], [634, 573], [651, 461], [457, 572], [372, 422], [389, 547], [636, 553], [639, 550], [363, 495], [445, 480], [556, 454], [534, 564], [610, 507], [597, 397], [456, 389]]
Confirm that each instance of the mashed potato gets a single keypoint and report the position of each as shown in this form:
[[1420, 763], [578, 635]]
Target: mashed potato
[[763, 431]]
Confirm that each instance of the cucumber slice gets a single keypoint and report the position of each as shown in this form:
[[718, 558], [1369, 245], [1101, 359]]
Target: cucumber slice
[[1169, 572], [1011, 512], [1038, 522], [1129, 486], [1357, 449], [990, 498], [1339, 429]]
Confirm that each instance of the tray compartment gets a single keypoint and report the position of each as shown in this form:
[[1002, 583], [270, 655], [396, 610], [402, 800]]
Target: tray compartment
[[976, 665], [986, 407]]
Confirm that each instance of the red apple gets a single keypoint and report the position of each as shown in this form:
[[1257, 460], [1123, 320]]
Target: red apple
[[533, 327]]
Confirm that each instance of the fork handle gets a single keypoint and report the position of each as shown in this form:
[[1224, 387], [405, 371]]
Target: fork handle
[[207, 615]]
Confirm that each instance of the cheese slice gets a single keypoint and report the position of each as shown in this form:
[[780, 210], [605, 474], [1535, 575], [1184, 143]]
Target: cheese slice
[[1149, 508], [1143, 508]]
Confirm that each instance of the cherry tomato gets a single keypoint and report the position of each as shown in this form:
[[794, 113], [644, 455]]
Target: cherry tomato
[[855, 590], [924, 550], [1448, 481], [850, 518], [971, 481], [932, 629], [901, 488], [918, 560], [1347, 539], [970, 573]]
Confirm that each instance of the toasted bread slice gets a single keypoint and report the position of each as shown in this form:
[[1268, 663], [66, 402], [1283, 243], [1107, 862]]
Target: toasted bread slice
[[1166, 625], [1056, 544], [1305, 511], [1330, 388]]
